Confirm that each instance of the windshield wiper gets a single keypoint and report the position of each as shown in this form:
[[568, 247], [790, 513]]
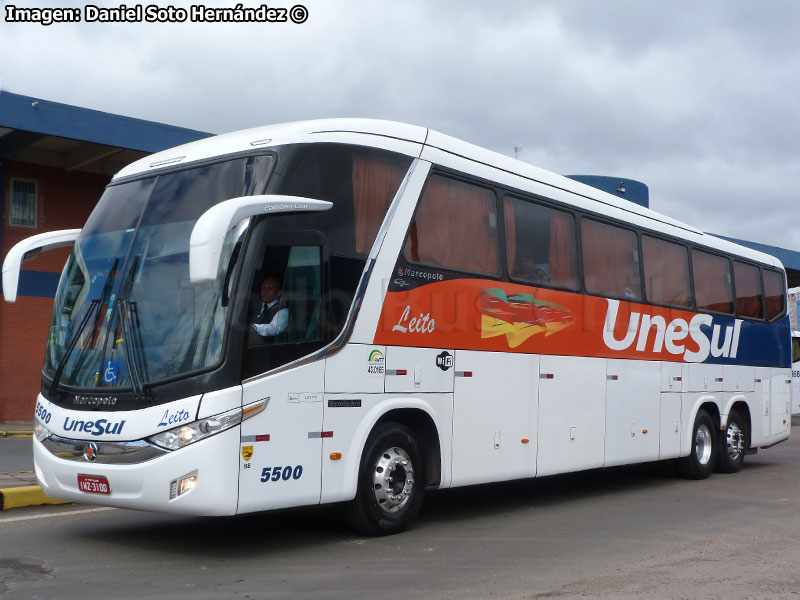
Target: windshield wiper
[[63, 362], [131, 330], [93, 308], [130, 321]]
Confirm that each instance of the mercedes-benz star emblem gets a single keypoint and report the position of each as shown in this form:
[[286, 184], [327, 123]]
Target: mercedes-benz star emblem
[[90, 453]]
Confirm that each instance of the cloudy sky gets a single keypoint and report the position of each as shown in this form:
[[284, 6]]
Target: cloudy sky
[[700, 100]]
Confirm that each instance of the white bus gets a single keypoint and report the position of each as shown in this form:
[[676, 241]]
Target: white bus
[[796, 372], [449, 316]]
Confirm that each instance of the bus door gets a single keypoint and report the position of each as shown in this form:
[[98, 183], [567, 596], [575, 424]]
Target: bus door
[[280, 464]]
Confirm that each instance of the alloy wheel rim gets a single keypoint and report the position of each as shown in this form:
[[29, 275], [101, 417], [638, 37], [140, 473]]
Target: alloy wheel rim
[[734, 441], [393, 479], [702, 444]]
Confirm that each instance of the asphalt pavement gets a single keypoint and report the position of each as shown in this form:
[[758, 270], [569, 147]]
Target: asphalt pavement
[[624, 533], [16, 454]]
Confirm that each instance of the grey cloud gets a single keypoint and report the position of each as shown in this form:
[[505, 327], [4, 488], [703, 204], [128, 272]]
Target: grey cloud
[[696, 99]]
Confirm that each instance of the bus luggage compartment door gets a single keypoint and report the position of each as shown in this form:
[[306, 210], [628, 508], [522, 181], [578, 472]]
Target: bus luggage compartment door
[[494, 416], [571, 414]]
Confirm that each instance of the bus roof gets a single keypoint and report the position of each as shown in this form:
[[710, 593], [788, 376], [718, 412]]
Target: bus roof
[[411, 140]]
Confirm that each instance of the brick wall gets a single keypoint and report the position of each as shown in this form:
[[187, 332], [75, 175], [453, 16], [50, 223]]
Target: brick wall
[[65, 200], [794, 305]]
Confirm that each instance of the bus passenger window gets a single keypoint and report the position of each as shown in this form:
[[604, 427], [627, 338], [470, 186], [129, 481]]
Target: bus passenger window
[[748, 290], [540, 244], [455, 226], [712, 282], [775, 293], [666, 272], [610, 261], [374, 185]]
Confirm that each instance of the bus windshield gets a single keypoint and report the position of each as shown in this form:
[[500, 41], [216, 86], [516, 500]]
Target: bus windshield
[[127, 317], [125, 304]]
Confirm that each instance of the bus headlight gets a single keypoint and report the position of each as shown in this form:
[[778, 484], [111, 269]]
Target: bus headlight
[[183, 435], [40, 431]]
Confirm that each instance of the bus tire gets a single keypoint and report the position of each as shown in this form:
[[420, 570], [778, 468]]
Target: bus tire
[[703, 453], [391, 482], [732, 444]]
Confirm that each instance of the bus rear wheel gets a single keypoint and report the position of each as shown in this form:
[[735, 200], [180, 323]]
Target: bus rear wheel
[[391, 482], [703, 453], [732, 444]]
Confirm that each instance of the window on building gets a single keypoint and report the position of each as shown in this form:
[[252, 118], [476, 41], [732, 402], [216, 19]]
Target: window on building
[[748, 290], [455, 226], [540, 244], [775, 293], [610, 260], [712, 282], [22, 212], [666, 272]]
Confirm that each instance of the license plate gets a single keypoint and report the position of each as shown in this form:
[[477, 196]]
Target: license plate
[[93, 484]]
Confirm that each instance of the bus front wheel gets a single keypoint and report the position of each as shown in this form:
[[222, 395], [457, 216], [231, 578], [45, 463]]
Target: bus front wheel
[[703, 453], [391, 482]]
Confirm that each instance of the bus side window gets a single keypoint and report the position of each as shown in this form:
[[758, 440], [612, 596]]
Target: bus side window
[[455, 227], [540, 244], [712, 282], [375, 183], [775, 293], [610, 260], [748, 290], [666, 272], [298, 272]]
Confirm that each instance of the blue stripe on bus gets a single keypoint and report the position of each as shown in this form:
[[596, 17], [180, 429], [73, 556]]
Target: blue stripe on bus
[[760, 344], [36, 284]]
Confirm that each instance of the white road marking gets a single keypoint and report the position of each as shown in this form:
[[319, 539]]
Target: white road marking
[[58, 514]]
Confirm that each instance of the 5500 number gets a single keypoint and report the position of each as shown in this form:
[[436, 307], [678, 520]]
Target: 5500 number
[[42, 413], [281, 473]]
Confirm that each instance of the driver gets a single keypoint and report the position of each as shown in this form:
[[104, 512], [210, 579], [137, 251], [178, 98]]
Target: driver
[[273, 317]]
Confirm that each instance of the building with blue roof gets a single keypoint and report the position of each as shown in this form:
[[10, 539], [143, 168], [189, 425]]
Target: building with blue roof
[[55, 161]]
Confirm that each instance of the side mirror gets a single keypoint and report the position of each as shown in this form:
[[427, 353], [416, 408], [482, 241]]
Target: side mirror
[[208, 235], [29, 249]]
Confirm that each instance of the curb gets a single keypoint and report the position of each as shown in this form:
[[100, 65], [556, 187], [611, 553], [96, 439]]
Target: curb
[[16, 434], [28, 495]]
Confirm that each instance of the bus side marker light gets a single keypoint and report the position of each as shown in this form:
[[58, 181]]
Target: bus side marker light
[[644, 431], [525, 440], [336, 455], [546, 376], [254, 409], [612, 377]]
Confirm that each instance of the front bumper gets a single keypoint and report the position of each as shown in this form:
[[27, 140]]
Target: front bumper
[[146, 485]]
